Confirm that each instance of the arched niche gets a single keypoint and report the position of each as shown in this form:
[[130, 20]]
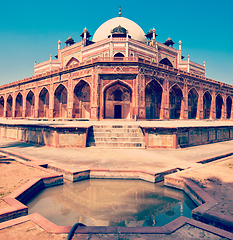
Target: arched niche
[[81, 103], [153, 93], [219, 104], [192, 103], [119, 54], [206, 105], [60, 102], [44, 103], [228, 107], [175, 102], [30, 103], [9, 103], [117, 101], [19, 105], [166, 61], [1, 106]]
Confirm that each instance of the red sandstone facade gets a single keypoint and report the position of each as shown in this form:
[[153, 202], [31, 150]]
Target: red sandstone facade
[[119, 74]]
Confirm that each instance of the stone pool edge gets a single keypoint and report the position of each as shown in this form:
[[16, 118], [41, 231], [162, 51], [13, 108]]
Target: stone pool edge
[[202, 213]]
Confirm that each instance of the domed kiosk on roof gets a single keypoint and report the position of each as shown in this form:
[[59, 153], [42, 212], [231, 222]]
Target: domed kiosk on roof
[[134, 30]]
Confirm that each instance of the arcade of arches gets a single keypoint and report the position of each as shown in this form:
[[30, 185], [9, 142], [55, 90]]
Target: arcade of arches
[[118, 102]]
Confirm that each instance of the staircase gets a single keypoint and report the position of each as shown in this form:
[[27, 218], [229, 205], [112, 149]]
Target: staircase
[[115, 136]]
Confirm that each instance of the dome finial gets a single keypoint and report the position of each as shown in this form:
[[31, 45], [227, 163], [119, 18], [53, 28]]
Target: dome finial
[[120, 11]]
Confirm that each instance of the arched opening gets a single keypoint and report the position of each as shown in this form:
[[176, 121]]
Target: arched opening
[[1, 106], [166, 61], [175, 102], [19, 105], [117, 101], [153, 100], [81, 105], [30, 102], [60, 102], [219, 104], [206, 105], [192, 104], [44, 103], [72, 61], [9, 106], [119, 55], [228, 106]]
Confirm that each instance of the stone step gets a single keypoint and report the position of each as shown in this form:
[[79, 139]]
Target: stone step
[[115, 126], [114, 134], [116, 139], [116, 130], [117, 145]]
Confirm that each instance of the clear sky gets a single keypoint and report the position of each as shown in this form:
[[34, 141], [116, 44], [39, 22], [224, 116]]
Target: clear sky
[[29, 30]]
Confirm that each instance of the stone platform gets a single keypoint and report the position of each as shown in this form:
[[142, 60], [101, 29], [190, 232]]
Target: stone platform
[[116, 133]]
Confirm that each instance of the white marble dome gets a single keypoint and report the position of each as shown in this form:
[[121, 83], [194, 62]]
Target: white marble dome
[[134, 30]]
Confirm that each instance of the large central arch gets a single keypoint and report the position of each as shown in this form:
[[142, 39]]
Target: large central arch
[[117, 101], [153, 94], [81, 105]]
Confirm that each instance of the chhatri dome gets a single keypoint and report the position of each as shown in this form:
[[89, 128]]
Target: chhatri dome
[[134, 30]]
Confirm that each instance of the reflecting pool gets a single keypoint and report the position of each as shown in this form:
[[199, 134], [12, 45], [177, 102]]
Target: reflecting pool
[[107, 202]]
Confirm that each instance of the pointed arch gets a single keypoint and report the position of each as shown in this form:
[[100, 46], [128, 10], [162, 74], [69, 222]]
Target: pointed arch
[[1, 106], [166, 61], [81, 103], [119, 54], [72, 61], [19, 105], [60, 102], [192, 103], [9, 103], [229, 106], [117, 100], [219, 105], [44, 103], [206, 105], [175, 101], [30, 103], [153, 94]]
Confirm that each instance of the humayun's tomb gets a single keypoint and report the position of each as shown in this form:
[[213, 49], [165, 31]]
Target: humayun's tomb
[[119, 74]]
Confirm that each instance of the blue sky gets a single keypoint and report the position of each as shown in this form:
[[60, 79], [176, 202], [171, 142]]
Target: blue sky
[[29, 30]]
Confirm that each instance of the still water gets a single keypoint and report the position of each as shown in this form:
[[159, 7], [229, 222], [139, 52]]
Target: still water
[[106, 202]]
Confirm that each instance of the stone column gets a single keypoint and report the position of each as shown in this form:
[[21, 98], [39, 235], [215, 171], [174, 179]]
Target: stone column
[[36, 107], [51, 99], [13, 104], [70, 98], [140, 97], [24, 103], [223, 112], [200, 106], [184, 103], [164, 111], [94, 98], [5, 106], [213, 107]]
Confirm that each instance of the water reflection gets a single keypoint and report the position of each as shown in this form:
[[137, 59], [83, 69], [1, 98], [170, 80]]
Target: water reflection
[[99, 202]]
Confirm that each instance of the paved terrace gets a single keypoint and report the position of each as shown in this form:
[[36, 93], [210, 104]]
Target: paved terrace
[[153, 160]]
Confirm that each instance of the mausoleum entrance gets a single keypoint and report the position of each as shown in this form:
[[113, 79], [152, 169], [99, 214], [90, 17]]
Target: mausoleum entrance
[[117, 102]]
